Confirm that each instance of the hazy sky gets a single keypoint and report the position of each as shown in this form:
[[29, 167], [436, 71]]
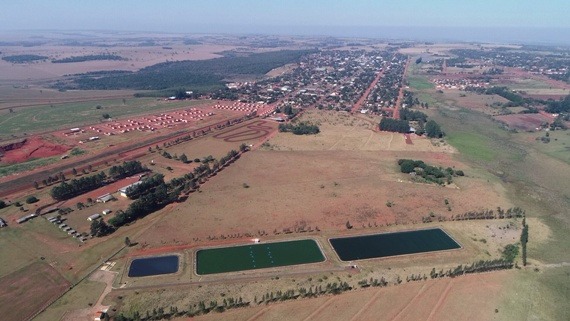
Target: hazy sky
[[287, 16]]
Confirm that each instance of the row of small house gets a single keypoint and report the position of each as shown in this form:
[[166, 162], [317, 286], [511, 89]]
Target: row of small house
[[64, 227]]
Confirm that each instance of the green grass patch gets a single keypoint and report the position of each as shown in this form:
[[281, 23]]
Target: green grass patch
[[472, 145], [420, 83], [59, 116], [26, 166], [257, 256]]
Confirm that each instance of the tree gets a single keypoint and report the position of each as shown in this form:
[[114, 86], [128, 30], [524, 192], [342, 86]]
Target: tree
[[183, 158], [2, 204], [36, 185], [74, 171], [433, 130], [31, 199], [106, 116], [100, 228], [80, 205], [127, 242]]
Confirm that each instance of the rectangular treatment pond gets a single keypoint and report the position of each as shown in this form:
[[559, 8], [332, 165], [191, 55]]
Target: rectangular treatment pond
[[392, 244], [257, 256], [154, 266]]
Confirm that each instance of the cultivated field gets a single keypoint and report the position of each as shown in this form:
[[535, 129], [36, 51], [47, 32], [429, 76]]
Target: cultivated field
[[26, 291]]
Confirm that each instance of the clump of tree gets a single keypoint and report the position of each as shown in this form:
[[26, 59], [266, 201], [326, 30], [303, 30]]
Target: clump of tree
[[99, 228], [2, 204], [31, 199], [412, 115], [510, 252], [126, 169], [394, 125], [76, 187], [430, 173], [301, 128], [433, 130], [559, 106]]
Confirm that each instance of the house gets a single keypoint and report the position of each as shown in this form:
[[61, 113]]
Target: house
[[106, 211], [123, 190], [94, 217], [3, 223], [105, 198]]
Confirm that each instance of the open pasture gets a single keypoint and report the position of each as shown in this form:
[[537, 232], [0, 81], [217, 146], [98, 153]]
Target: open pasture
[[525, 122], [344, 132], [59, 116]]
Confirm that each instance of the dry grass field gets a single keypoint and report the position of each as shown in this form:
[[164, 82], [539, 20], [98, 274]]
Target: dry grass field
[[430, 300]]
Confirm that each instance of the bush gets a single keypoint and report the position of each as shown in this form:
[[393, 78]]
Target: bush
[[2, 204], [31, 199]]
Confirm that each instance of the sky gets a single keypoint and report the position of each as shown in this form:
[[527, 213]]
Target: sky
[[473, 20]]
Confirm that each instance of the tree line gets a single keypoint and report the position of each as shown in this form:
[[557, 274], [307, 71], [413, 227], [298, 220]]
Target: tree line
[[87, 58], [75, 187]]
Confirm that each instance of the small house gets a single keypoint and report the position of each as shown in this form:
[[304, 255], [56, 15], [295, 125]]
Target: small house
[[106, 211], [105, 198], [94, 217]]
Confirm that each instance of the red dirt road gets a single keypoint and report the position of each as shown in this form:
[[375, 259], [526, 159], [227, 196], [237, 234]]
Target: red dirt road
[[362, 99], [396, 114]]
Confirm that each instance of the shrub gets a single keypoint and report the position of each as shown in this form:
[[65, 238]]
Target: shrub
[[31, 199]]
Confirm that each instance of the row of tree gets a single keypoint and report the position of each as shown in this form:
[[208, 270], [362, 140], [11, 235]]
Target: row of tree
[[76, 187], [126, 169]]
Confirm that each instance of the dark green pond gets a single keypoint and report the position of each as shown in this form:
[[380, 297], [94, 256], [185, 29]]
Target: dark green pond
[[154, 266], [257, 256], [391, 244]]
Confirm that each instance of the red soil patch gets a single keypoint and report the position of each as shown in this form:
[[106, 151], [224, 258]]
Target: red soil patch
[[27, 291], [35, 147], [524, 121], [408, 139]]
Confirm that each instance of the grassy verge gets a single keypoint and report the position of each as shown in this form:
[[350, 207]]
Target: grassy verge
[[26, 166]]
